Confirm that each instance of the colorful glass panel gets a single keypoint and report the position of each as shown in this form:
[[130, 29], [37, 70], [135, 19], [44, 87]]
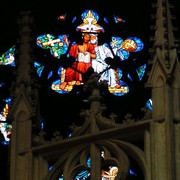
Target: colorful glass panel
[[8, 58], [70, 74]]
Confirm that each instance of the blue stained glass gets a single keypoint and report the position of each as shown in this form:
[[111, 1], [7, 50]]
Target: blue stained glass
[[132, 172], [8, 58], [149, 104], [39, 68], [120, 73], [129, 76], [50, 168], [105, 20], [60, 70], [2, 84], [42, 123], [122, 54], [116, 41], [116, 46], [74, 19], [140, 71], [5, 143], [138, 41], [84, 14], [89, 162], [8, 100], [82, 175], [50, 74]]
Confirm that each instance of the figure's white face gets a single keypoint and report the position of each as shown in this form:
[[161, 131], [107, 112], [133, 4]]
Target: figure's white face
[[94, 39]]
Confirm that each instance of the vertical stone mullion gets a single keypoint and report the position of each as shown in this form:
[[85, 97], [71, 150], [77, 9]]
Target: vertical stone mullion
[[95, 156]]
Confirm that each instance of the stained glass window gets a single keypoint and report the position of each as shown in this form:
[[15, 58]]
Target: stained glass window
[[112, 52], [5, 128], [8, 58], [109, 55]]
